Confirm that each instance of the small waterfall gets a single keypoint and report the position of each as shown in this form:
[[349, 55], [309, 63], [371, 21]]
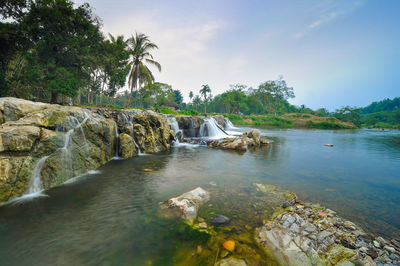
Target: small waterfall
[[175, 127], [210, 129], [116, 140], [228, 124], [35, 184]]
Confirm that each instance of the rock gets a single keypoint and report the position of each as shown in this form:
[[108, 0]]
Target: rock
[[347, 263], [283, 247], [389, 249], [127, 146], [310, 228], [219, 219], [229, 245], [202, 225], [224, 253], [237, 144], [189, 202], [30, 130], [18, 139], [328, 145], [231, 261], [254, 135], [294, 228], [338, 254], [322, 236]]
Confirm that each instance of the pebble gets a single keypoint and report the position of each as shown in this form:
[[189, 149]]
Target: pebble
[[390, 249], [203, 225]]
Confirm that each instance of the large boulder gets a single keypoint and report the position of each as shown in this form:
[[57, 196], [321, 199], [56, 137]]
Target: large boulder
[[220, 120], [190, 125], [237, 144]]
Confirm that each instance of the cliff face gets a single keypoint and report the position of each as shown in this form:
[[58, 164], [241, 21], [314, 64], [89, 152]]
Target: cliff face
[[55, 143]]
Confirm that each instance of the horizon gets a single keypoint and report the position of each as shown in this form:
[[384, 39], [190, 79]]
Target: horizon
[[347, 48]]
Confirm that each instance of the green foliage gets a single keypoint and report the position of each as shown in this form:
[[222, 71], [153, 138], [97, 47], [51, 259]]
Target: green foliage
[[326, 125], [188, 112], [384, 105], [166, 110], [348, 114]]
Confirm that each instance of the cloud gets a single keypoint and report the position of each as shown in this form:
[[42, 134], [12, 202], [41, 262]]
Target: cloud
[[328, 14]]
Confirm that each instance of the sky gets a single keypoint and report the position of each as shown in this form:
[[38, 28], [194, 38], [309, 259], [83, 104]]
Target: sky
[[332, 52]]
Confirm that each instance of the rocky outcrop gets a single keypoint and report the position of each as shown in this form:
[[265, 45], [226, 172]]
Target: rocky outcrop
[[190, 125], [74, 140], [308, 234], [242, 143]]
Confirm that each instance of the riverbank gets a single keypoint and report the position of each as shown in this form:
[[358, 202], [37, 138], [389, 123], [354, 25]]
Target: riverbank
[[292, 120]]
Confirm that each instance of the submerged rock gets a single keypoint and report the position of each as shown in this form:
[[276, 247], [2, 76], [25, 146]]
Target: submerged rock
[[231, 261], [219, 219]]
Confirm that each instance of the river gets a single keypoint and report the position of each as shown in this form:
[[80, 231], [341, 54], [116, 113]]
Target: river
[[111, 216]]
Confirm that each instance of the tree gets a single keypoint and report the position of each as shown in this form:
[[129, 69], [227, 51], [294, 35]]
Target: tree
[[61, 37], [348, 114], [197, 102], [272, 93], [178, 97], [191, 95], [205, 90], [139, 50]]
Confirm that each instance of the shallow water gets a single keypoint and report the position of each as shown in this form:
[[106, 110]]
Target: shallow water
[[112, 217]]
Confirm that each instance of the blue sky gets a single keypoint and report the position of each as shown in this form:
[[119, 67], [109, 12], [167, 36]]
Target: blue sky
[[333, 53]]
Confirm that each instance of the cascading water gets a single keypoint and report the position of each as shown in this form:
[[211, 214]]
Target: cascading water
[[116, 141], [35, 184], [228, 124], [175, 127], [210, 129]]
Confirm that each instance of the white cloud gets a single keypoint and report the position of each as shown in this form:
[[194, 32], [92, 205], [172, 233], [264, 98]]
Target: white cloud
[[328, 14]]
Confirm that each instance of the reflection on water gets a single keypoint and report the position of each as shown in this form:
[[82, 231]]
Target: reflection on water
[[111, 217]]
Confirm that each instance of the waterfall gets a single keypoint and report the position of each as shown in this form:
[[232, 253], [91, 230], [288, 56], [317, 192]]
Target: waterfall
[[116, 141], [228, 124], [175, 127], [210, 129], [35, 184]]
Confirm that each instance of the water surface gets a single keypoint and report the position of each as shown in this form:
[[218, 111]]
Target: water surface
[[112, 217]]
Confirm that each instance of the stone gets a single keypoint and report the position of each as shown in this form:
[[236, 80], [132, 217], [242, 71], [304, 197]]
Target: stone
[[219, 219], [18, 139], [189, 202], [294, 228], [231, 261], [323, 235], [127, 146], [389, 249], [310, 228], [202, 225], [338, 254]]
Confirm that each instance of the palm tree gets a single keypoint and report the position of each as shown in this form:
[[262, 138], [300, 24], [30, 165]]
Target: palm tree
[[191, 95], [139, 74], [204, 91]]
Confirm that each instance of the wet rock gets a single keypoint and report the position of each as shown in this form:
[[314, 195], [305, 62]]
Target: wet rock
[[231, 261], [389, 249], [237, 144], [189, 202], [219, 220], [127, 146]]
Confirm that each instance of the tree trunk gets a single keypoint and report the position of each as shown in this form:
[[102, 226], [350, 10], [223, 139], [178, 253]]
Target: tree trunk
[[54, 97]]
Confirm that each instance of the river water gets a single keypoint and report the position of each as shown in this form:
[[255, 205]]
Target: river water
[[112, 216]]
